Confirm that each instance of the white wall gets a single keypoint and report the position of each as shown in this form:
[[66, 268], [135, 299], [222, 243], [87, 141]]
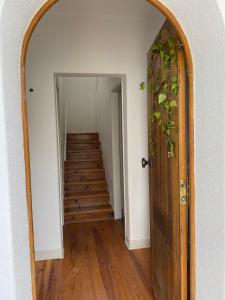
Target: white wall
[[208, 49], [117, 156], [106, 128], [114, 45], [45, 168], [81, 96], [61, 114]]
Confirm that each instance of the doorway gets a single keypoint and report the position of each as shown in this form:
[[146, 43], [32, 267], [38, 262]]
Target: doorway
[[90, 143]]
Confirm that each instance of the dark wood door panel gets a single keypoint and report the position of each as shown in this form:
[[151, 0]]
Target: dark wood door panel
[[168, 214]]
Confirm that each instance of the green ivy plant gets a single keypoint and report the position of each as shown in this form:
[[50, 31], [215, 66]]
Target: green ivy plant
[[164, 91]]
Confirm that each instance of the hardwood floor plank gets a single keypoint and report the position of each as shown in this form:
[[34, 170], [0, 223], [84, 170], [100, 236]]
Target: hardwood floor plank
[[126, 277], [97, 266], [145, 280], [104, 265]]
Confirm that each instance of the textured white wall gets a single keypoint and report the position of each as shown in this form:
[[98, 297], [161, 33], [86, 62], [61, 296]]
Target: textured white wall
[[80, 93], [61, 107], [45, 166], [204, 26], [105, 129], [118, 193]]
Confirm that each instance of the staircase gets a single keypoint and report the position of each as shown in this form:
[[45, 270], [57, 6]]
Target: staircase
[[85, 188]]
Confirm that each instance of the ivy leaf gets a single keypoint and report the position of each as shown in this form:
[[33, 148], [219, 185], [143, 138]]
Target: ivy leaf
[[155, 47], [162, 98], [168, 131], [173, 103], [157, 115], [170, 42], [142, 86], [171, 123], [174, 78], [149, 88], [167, 58], [165, 86], [174, 89], [171, 147], [174, 85], [166, 106]]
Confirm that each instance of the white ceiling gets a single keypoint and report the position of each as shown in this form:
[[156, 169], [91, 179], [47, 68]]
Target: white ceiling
[[129, 8]]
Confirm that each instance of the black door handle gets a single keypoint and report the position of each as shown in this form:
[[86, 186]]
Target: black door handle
[[145, 163]]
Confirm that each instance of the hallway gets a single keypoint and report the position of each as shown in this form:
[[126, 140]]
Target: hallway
[[97, 265]]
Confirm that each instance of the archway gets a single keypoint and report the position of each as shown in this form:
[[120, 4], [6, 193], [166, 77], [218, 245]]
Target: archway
[[209, 144], [205, 29], [169, 15]]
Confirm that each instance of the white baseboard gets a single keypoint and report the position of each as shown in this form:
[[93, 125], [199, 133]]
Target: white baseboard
[[137, 244], [49, 254]]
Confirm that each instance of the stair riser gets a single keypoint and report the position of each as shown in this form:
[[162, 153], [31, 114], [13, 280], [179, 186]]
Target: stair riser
[[72, 193], [85, 188], [85, 202], [83, 165], [83, 137], [84, 176], [88, 218], [84, 142], [77, 156], [83, 146]]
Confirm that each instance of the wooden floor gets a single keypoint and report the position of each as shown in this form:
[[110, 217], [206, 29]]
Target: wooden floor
[[97, 266]]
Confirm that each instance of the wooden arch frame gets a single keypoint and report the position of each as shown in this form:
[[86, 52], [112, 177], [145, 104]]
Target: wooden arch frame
[[172, 19]]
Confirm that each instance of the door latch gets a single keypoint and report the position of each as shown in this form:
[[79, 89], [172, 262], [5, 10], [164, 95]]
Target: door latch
[[145, 163]]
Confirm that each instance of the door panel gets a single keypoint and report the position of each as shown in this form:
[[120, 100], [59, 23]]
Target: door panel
[[167, 151]]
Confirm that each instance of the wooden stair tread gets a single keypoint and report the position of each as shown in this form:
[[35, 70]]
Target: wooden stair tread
[[83, 147], [91, 218], [84, 143], [85, 171], [85, 182], [89, 195], [83, 151], [83, 160], [89, 209], [79, 194], [85, 133], [86, 202]]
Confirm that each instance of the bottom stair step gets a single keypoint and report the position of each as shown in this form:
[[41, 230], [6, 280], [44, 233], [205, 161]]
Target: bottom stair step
[[87, 214], [72, 219], [88, 199], [76, 203], [86, 210]]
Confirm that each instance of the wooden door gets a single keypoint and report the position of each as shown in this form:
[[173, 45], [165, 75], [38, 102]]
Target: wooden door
[[168, 173]]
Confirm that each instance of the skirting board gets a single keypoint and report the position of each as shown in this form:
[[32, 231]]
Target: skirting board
[[137, 244], [49, 254]]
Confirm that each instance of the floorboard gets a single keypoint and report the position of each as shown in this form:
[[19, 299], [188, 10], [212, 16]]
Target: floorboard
[[97, 266]]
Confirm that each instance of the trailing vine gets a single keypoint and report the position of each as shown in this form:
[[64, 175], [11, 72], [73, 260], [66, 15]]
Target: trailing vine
[[164, 91]]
